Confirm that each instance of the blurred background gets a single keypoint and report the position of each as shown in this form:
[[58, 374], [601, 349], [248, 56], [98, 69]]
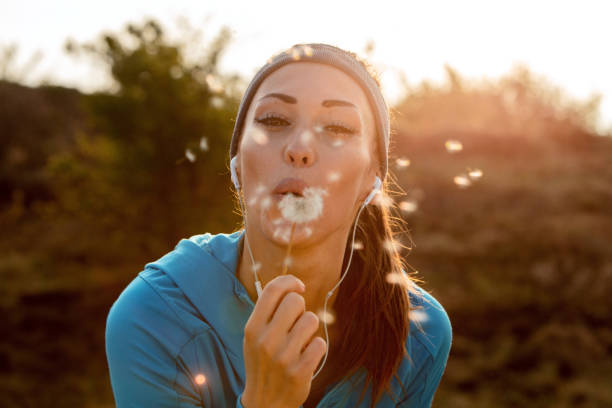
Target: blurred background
[[115, 123]]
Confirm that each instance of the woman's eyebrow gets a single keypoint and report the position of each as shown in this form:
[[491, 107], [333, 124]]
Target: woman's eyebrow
[[326, 103]]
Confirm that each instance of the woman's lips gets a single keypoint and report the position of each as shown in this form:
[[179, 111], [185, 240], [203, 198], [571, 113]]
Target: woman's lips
[[289, 185]]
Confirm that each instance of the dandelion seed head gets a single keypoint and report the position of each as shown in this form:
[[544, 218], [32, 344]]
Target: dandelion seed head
[[200, 379], [204, 144], [453, 146], [408, 206], [303, 209], [462, 181], [326, 317], [402, 162], [190, 155]]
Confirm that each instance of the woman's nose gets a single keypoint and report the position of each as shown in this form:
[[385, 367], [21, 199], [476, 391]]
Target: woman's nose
[[299, 151]]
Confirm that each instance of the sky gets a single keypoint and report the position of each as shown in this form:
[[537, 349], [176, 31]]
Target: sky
[[567, 42]]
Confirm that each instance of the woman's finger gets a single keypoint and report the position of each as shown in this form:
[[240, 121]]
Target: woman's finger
[[269, 300]]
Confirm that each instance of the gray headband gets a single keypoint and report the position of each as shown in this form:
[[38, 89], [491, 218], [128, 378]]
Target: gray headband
[[336, 57]]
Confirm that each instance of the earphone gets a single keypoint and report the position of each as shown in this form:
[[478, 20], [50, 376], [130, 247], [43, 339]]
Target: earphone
[[375, 189]]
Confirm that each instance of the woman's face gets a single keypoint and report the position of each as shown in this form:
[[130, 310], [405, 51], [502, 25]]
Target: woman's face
[[312, 122]]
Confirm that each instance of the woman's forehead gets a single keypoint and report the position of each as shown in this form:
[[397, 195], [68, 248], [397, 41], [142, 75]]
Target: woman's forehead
[[312, 80]]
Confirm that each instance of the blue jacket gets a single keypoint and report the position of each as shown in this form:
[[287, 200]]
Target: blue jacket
[[174, 336]]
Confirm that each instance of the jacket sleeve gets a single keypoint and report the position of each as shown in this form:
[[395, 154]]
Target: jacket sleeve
[[423, 387], [141, 355]]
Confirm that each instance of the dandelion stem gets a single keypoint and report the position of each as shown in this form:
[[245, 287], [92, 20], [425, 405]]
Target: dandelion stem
[[286, 261]]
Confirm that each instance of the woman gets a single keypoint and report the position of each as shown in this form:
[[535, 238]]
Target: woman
[[258, 318]]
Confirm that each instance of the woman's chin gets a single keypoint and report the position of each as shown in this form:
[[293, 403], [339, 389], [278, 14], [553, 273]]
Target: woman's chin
[[279, 231]]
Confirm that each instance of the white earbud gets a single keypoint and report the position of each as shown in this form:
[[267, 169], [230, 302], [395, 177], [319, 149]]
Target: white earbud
[[234, 175], [375, 189]]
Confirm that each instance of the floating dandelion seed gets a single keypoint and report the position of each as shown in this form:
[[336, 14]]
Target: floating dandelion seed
[[308, 231], [204, 144], [277, 221], [306, 136], [295, 54], [252, 201], [217, 102], [408, 205], [402, 162], [259, 136], [265, 203], [318, 128], [256, 266], [283, 234], [462, 181], [326, 317], [391, 245], [453, 146], [303, 209], [260, 189], [358, 245], [337, 143], [190, 155], [333, 176], [383, 200], [213, 83], [418, 315], [398, 278], [200, 379], [307, 49], [475, 174]]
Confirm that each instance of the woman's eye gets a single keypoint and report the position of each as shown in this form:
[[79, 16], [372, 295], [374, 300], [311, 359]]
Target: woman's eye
[[273, 121], [336, 128]]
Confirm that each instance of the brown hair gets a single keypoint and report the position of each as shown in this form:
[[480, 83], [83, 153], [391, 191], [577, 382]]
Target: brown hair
[[372, 313]]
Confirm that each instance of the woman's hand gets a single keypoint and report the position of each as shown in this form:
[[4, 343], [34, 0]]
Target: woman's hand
[[279, 355]]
